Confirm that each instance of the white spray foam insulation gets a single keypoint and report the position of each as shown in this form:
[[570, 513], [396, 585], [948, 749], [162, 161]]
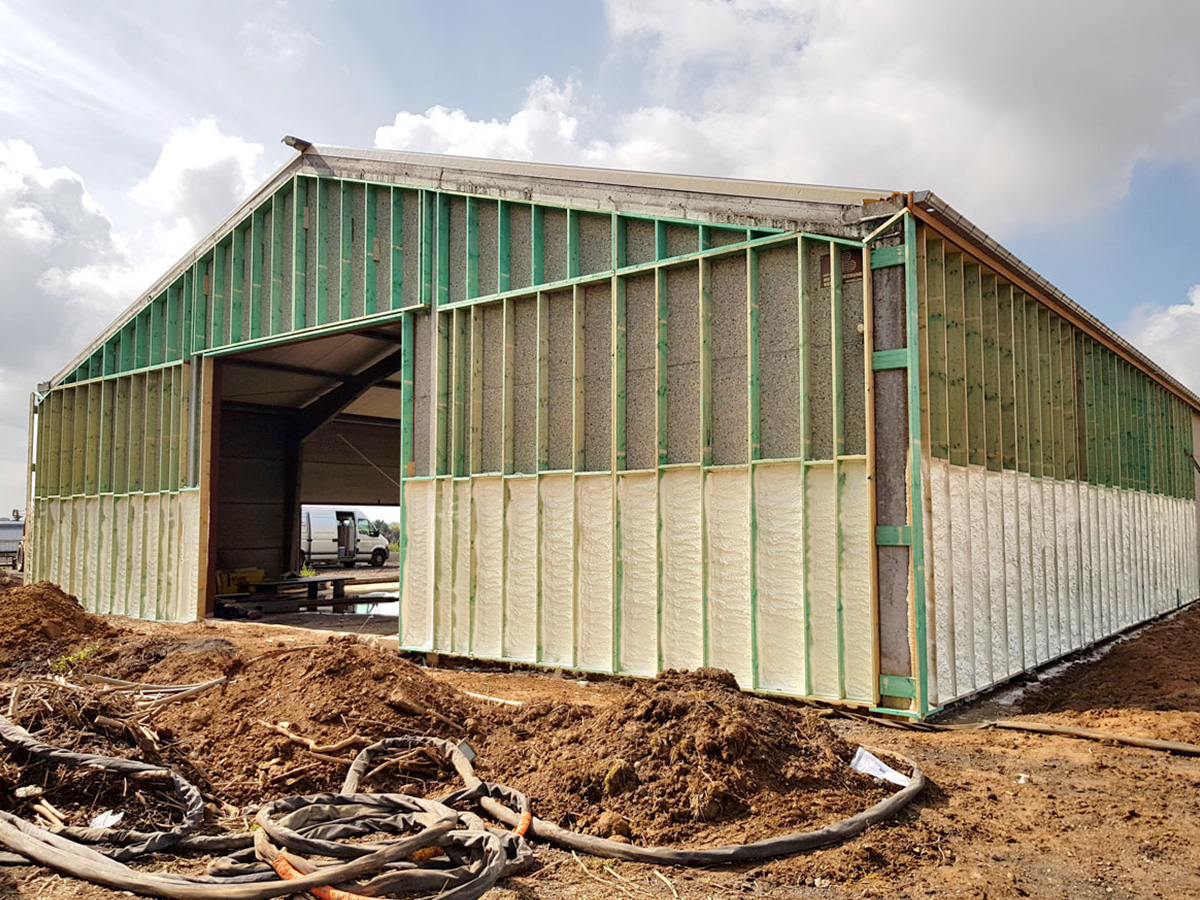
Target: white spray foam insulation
[[931, 600], [558, 568], [91, 532], [1014, 622], [1053, 555], [1079, 563], [961, 559], [780, 570], [638, 505], [858, 621], [822, 565], [682, 564], [941, 568], [727, 516], [150, 561], [994, 484], [416, 591], [981, 608], [185, 609], [443, 584], [487, 497], [594, 523], [521, 582], [460, 561]]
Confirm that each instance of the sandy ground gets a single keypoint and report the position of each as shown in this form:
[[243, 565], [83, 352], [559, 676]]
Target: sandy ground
[[1006, 814]]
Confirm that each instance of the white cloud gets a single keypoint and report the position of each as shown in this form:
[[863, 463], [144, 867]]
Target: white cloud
[[68, 271], [545, 128], [1170, 335], [200, 177], [273, 36], [1018, 113]]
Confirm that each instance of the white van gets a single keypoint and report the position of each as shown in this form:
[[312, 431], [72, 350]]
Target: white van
[[336, 535]]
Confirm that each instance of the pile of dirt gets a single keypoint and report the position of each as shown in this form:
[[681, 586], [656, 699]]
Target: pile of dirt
[[687, 758], [324, 693], [36, 619]]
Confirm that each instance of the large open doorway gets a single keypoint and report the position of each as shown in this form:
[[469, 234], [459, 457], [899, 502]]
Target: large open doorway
[[299, 423]]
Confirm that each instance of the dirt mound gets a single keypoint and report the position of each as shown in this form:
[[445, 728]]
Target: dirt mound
[[682, 758], [36, 618], [325, 693]]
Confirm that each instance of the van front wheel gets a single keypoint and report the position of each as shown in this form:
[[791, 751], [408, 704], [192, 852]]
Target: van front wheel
[[378, 558]]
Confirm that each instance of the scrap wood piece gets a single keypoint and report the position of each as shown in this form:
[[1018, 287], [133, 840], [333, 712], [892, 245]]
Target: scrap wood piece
[[319, 750]]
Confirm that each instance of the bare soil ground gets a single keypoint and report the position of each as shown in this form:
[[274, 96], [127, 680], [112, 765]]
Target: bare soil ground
[[684, 760]]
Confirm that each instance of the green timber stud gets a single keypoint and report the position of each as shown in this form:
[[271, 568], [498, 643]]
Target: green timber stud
[[275, 320], [218, 296], [893, 535], [839, 447], [617, 454], [577, 458], [187, 286], [572, 243], [706, 441], [397, 250], [407, 462], [346, 253], [156, 312], [804, 300], [443, 248], [371, 249], [537, 237], [198, 322], [324, 186], [887, 256], [882, 360], [754, 448], [503, 251], [174, 328], [543, 442], [258, 227], [237, 273], [915, 504], [662, 457], [507, 365], [300, 216], [472, 255]]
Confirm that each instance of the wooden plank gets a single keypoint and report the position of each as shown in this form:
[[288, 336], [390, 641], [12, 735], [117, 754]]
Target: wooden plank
[[370, 245], [992, 414], [976, 440], [956, 360], [346, 252], [939, 377], [258, 238], [300, 217], [543, 381]]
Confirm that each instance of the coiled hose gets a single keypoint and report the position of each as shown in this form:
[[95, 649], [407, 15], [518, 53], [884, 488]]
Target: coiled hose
[[453, 852]]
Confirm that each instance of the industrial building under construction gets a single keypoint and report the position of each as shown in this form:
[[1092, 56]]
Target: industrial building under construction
[[839, 442]]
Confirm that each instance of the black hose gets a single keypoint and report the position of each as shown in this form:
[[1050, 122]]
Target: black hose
[[472, 856]]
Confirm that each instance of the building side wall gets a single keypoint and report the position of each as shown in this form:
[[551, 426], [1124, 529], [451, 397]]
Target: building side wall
[[662, 466], [1058, 489], [116, 510]]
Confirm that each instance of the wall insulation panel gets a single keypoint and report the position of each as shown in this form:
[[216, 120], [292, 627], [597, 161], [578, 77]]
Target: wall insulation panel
[[1061, 504], [115, 520], [669, 540]]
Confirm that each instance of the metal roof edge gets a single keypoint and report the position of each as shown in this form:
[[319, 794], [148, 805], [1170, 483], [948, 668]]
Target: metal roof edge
[[636, 180], [628, 178], [931, 203]]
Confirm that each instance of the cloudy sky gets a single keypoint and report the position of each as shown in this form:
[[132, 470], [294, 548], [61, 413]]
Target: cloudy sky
[[1070, 131]]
